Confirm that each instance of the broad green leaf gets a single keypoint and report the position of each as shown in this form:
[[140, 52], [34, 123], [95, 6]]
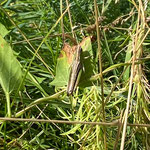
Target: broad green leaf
[[10, 69], [64, 62], [3, 30], [87, 62], [62, 71], [87, 46]]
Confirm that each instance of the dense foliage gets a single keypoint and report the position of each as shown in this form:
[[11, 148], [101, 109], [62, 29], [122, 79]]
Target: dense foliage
[[31, 31]]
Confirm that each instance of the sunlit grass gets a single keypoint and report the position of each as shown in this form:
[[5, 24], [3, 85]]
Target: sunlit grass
[[124, 37]]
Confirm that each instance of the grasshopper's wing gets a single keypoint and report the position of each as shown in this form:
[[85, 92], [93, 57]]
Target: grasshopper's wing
[[75, 71], [74, 77]]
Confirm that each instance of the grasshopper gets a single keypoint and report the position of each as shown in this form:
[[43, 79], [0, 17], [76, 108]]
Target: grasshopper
[[75, 72]]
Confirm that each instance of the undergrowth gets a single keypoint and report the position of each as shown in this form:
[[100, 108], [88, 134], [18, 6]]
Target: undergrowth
[[119, 91]]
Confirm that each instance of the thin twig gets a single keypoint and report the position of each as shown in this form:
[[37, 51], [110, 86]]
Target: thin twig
[[119, 131], [89, 29], [38, 101], [62, 24], [70, 19], [114, 123], [100, 67]]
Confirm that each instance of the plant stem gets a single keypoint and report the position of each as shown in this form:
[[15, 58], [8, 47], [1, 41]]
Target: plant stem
[[5, 136], [62, 24], [73, 119], [100, 67], [72, 107], [69, 14], [8, 104], [38, 101]]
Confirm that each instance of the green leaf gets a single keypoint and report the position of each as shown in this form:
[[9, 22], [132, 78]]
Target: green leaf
[[3, 30], [10, 69], [73, 130], [127, 58], [33, 80], [62, 71], [65, 60], [87, 62], [87, 46]]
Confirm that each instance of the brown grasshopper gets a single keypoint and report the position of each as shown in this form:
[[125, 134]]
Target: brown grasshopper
[[75, 72]]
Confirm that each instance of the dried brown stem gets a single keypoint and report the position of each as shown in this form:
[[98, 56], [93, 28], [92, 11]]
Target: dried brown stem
[[101, 70], [114, 123]]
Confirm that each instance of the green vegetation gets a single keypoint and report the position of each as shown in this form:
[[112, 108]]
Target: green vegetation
[[113, 87]]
